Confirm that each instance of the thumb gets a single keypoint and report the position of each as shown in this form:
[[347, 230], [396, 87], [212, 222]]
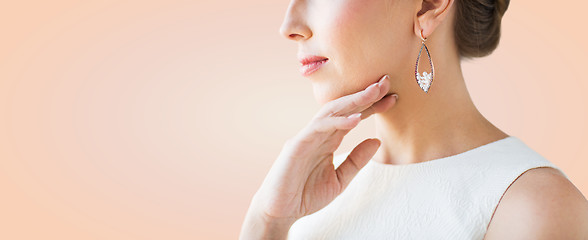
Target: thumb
[[356, 160]]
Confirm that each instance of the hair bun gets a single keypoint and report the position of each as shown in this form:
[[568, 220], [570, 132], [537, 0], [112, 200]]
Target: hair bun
[[477, 26], [502, 6]]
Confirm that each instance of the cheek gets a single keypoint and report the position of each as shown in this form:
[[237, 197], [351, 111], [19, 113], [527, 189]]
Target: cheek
[[365, 40], [347, 28], [353, 39]]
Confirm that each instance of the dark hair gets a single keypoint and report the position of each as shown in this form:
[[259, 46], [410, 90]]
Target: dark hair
[[477, 26]]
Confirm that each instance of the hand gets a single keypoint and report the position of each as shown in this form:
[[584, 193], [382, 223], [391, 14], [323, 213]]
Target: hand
[[303, 180]]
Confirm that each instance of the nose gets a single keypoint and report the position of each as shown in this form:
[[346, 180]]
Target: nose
[[294, 26]]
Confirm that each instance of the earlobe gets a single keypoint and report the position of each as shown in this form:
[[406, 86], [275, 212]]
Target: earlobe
[[423, 23], [430, 15], [423, 19]]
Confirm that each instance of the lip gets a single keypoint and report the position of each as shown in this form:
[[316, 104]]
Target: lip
[[311, 64]]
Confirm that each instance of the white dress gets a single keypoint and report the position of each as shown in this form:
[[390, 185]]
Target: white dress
[[447, 198]]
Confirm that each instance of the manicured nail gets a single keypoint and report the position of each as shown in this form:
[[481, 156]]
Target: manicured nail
[[371, 86], [385, 78], [355, 115]]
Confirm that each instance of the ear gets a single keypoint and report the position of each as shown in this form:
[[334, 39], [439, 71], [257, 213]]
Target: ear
[[430, 14]]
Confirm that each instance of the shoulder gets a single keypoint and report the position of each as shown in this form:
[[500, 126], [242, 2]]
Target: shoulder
[[540, 204]]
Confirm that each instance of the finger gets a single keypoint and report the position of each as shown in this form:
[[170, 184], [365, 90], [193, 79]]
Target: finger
[[358, 101], [321, 129], [331, 124], [380, 106], [357, 159]]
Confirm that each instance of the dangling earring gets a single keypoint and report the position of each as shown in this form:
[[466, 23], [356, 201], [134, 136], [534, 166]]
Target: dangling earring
[[424, 81]]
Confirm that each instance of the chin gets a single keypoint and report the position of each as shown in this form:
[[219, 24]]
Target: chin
[[326, 94], [321, 98]]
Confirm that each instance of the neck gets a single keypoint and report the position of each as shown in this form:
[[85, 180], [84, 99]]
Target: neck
[[427, 126]]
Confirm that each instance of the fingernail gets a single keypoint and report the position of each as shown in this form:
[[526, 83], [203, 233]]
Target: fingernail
[[385, 78], [371, 86], [355, 115]]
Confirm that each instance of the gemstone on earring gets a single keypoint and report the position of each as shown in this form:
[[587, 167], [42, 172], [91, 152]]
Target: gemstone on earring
[[425, 79]]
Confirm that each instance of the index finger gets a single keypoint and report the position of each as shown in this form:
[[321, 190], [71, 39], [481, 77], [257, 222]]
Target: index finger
[[356, 102]]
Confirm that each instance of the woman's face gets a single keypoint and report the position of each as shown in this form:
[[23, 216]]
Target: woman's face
[[363, 40]]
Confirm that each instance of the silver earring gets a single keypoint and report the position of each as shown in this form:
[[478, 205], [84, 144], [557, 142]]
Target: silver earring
[[426, 79]]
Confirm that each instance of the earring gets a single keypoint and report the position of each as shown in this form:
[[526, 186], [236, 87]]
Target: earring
[[424, 81]]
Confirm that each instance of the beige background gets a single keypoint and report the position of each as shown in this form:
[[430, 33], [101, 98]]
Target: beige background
[[159, 119]]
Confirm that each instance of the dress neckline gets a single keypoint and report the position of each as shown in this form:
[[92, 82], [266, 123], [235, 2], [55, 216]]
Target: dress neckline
[[444, 160]]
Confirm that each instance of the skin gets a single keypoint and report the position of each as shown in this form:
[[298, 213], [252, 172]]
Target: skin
[[365, 40]]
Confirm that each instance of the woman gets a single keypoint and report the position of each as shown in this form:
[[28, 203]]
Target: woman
[[437, 169]]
